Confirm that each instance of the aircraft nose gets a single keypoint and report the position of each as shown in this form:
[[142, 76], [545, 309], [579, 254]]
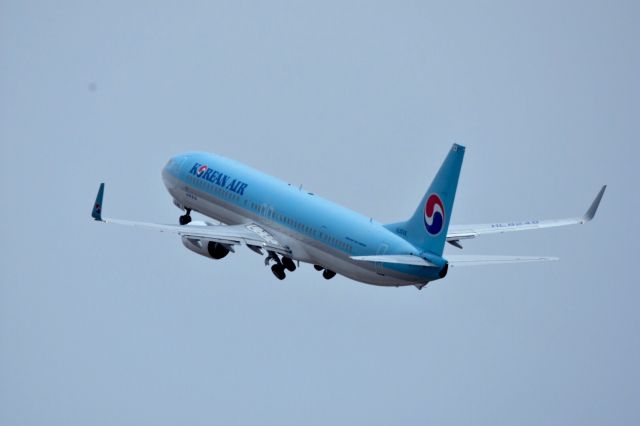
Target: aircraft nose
[[171, 171], [173, 165], [167, 167]]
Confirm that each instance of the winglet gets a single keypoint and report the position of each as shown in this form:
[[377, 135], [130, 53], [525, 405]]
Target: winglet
[[96, 213], [594, 206]]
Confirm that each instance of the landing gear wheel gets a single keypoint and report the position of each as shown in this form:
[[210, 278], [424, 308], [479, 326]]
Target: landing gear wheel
[[288, 264], [186, 218], [318, 267], [327, 274], [278, 271]]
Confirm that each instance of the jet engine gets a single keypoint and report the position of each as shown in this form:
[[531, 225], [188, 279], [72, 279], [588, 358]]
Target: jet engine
[[212, 249]]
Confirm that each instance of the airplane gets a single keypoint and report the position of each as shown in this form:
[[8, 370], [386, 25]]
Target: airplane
[[291, 225]]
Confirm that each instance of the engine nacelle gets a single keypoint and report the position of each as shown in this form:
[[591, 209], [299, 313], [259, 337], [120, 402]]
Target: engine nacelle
[[211, 249]]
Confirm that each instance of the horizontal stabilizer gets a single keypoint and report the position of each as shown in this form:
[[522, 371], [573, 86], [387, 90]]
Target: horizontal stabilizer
[[404, 259], [479, 260]]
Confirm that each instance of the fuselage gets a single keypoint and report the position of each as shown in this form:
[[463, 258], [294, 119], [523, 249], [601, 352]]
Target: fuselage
[[317, 231]]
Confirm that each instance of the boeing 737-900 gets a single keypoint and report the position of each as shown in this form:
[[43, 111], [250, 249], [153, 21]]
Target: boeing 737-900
[[291, 225]]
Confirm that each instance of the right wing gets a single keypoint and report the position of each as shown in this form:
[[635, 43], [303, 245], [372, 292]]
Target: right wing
[[462, 232], [252, 235]]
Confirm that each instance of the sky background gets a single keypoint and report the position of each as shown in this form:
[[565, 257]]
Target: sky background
[[359, 102]]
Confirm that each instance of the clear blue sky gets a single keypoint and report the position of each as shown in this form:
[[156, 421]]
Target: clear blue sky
[[359, 102]]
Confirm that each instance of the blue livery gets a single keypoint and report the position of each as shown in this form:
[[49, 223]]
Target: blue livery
[[291, 226]]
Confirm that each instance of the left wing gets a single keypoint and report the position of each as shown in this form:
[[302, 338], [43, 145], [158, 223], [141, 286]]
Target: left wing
[[251, 234], [462, 232]]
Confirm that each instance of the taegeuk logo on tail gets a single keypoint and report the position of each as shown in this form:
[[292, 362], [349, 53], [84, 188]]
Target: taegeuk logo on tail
[[434, 215]]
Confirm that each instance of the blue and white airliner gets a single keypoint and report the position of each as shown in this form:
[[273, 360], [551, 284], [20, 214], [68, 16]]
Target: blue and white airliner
[[289, 225]]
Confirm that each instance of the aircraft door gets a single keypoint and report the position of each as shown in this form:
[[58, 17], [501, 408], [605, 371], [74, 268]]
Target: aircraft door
[[382, 249]]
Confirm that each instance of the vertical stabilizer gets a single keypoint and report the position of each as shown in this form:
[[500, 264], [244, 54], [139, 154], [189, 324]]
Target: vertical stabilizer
[[427, 228]]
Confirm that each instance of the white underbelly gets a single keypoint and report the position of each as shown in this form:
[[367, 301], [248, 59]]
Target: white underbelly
[[303, 248]]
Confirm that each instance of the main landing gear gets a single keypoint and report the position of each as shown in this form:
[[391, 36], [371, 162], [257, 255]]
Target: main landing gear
[[288, 264], [326, 273], [278, 269], [186, 218]]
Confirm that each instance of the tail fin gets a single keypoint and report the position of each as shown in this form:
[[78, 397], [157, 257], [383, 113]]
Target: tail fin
[[427, 228]]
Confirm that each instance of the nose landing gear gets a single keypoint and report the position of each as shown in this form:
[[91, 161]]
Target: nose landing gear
[[186, 218]]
